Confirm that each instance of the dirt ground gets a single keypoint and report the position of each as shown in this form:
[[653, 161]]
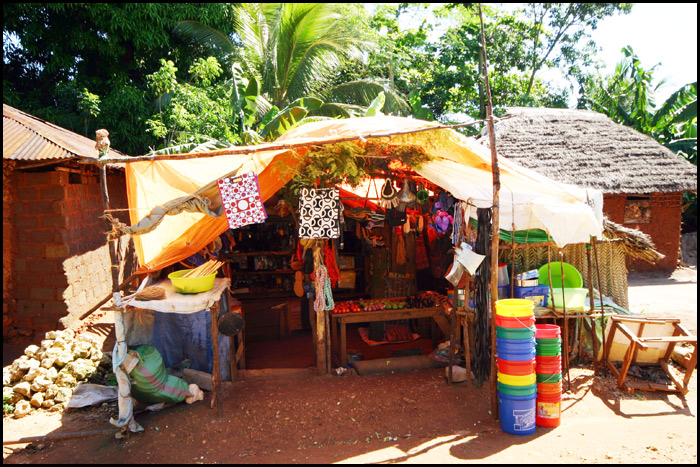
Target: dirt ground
[[412, 417]]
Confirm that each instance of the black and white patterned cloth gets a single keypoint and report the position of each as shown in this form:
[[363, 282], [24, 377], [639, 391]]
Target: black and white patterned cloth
[[318, 213]]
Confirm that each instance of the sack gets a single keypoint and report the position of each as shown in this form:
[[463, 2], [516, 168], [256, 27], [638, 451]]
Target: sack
[[151, 382]]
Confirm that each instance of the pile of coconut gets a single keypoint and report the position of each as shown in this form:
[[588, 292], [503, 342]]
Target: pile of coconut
[[46, 375]]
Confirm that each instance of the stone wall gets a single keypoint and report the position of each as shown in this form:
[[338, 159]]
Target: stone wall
[[61, 267]]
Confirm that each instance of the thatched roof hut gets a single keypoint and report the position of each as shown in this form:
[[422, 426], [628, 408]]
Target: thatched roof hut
[[642, 181], [588, 149]]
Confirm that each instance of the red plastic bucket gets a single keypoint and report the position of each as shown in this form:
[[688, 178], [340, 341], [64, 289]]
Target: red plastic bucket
[[549, 388], [548, 410], [547, 331], [510, 367], [547, 369], [549, 360], [515, 322]]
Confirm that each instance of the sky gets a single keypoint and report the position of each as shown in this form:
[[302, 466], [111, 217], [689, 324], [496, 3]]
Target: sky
[[665, 33]]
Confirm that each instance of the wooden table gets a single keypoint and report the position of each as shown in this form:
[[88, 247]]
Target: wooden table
[[339, 321]]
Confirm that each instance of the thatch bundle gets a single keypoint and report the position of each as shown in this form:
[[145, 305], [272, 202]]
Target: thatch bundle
[[635, 243]]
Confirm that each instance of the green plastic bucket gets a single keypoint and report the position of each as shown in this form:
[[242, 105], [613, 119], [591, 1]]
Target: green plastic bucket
[[515, 333], [548, 351], [553, 341], [555, 378], [517, 391]]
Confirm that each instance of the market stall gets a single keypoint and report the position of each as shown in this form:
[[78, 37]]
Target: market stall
[[428, 175]]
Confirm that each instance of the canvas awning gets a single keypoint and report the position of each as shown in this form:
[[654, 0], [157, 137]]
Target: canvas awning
[[461, 166]]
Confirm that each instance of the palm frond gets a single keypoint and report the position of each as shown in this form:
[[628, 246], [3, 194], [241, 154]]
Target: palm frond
[[195, 31], [363, 92]]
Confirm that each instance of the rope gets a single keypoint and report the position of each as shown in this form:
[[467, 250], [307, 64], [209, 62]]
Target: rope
[[324, 294]]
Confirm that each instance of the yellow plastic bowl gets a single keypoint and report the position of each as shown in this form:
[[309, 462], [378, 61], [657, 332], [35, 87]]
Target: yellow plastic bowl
[[191, 284], [515, 307], [517, 380]]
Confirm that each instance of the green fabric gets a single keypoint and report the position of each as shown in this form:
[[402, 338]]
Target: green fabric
[[521, 236], [151, 382]]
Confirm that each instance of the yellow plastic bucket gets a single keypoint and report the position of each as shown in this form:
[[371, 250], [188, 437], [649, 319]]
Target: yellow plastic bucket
[[517, 380], [191, 284], [515, 307]]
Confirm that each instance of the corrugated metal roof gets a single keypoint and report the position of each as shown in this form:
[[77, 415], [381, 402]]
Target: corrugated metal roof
[[27, 138]]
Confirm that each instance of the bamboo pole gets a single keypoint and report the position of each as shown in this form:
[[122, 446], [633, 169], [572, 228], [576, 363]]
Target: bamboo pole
[[495, 232]]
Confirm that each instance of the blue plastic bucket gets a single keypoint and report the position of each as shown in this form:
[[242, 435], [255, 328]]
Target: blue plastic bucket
[[515, 345], [518, 413], [519, 356]]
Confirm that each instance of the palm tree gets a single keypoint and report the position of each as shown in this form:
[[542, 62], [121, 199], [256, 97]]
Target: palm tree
[[285, 57]]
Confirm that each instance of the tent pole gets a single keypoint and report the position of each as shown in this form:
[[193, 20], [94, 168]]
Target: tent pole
[[565, 343], [494, 221]]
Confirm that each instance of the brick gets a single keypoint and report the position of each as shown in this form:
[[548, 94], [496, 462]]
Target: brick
[[56, 309], [23, 236], [26, 222], [41, 236], [40, 178], [55, 279], [30, 251], [20, 264], [53, 193], [27, 193], [54, 221], [57, 251], [59, 178], [59, 207], [41, 293]]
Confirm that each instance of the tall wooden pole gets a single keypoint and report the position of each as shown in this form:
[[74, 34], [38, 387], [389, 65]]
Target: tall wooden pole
[[494, 220]]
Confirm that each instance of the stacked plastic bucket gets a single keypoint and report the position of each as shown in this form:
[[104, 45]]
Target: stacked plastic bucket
[[549, 384], [516, 352]]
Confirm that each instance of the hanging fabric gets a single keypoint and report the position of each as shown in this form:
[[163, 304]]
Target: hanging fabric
[[318, 213], [240, 197]]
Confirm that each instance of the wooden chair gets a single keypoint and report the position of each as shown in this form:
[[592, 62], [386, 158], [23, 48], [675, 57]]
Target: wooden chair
[[643, 333]]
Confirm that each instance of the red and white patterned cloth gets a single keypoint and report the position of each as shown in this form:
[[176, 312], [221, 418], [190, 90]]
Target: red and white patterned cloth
[[241, 199]]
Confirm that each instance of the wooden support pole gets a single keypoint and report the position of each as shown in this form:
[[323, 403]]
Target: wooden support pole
[[495, 213], [594, 326], [602, 309]]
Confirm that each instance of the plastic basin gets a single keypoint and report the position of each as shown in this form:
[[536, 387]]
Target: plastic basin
[[575, 298], [191, 284], [515, 308], [572, 277]]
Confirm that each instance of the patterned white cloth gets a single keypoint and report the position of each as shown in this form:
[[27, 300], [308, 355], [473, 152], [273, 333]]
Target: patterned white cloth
[[241, 199], [318, 213]]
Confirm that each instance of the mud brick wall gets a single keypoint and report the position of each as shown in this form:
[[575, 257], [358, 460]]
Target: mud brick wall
[[61, 267], [8, 247], [664, 228]]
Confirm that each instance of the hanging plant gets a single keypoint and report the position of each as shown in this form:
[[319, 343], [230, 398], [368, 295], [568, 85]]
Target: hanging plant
[[351, 162]]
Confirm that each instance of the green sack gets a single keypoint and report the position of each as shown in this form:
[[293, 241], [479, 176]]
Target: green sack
[[150, 381]]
